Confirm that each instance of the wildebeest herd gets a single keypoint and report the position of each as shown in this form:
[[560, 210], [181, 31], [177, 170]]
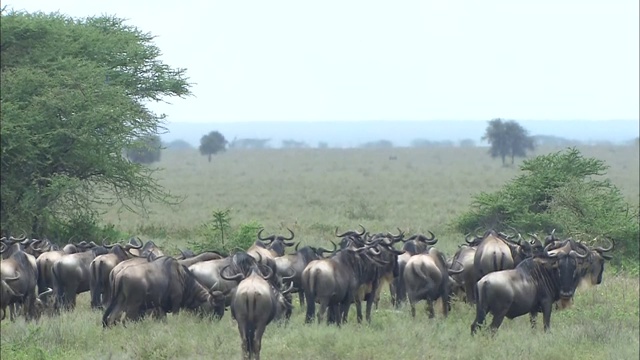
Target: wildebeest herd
[[502, 274]]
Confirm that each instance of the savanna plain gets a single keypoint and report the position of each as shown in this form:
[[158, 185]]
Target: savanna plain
[[313, 191]]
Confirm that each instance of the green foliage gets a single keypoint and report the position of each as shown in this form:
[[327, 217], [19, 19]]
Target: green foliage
[[74, 95], [212, 143], [146, 150], [507, 138], [563, 191], [219, 235], [84, 227]]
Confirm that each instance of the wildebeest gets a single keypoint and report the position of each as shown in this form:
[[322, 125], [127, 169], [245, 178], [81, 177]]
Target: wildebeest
[[162, 285], [497, 252], [466, 279], [255, 303], [72, 275], [101, 266], [388, 273], [271, 246], [532, 287], [296, 263], [413, 245], [19, 275], [334, 282], [426, 277]]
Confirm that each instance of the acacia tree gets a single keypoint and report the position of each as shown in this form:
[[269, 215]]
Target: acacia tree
[[147, 150], [212, 143], [73, 98], [507, 138]]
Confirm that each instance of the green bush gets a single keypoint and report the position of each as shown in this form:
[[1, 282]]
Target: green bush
[[563, 191], [219, 235], [84, 227]]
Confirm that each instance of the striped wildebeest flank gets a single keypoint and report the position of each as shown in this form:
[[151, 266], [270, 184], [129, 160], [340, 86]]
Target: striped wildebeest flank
[[255, 303], [426, 277], [532, 287], [162, 285], [296, 262], [271, 246], [413, 245]]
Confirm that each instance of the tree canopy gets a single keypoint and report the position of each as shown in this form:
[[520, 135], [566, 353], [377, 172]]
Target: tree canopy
[[146, 150], [212, 143], [563, 191], [507, 138], [74, 96]]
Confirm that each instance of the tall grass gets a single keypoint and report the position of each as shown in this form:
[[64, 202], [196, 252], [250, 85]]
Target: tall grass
[[312, 191]]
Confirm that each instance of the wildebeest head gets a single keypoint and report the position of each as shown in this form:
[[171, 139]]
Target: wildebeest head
[[418, 243], [277, 243], [351, 238], [567, 265], [595, 266]]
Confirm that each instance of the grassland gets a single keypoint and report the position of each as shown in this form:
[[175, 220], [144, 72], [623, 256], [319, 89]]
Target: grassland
[[312, 191]]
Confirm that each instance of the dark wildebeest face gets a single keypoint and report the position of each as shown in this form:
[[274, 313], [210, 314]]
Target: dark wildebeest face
[[567, 265], [595, 267]]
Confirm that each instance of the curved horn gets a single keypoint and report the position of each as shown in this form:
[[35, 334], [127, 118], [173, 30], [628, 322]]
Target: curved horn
[[363, 230], [3, 247], [553, 232], [601, 249], [236, 277], [288, 290], [46, 292], [296, 248], [535, 240], [292, 235], [9, 279], [267, 277], [268, 238], [293, 271], [409, 238], [577, 254], [455, 272], [432, 240], [545, 251], [433, 236], [475, 232]]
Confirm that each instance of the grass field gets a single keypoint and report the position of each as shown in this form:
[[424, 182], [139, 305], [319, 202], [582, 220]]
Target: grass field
[[312, 191]]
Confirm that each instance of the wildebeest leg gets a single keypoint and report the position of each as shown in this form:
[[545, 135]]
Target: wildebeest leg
[[335, 314], [497, 320], [358, 311], [546, 315], [245, 344], [257, 341], [430, 310], [532, 318], [301, 297], [368, 307], [311, 307], [12, 312], [324, 304], [412, 304]]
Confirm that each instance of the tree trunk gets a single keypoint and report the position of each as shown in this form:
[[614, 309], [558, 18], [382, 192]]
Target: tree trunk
[[503, 159], [209, 157], [512, 156]]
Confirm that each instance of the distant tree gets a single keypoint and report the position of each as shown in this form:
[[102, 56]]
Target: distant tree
[[323, 145], [419, 143], [212, 143], [467, 143], [507, 138], [178, 145], [146, 150]]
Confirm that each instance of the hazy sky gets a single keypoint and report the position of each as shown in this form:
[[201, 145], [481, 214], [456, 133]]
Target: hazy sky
[[384, 60]]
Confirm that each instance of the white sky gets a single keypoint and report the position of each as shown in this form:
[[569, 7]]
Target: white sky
[[385, 60]]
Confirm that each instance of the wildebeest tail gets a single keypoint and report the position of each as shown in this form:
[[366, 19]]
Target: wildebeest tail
[[42, 283], [95, 285], [57, 286], [115, 294], [481, 303], [250, 333]]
